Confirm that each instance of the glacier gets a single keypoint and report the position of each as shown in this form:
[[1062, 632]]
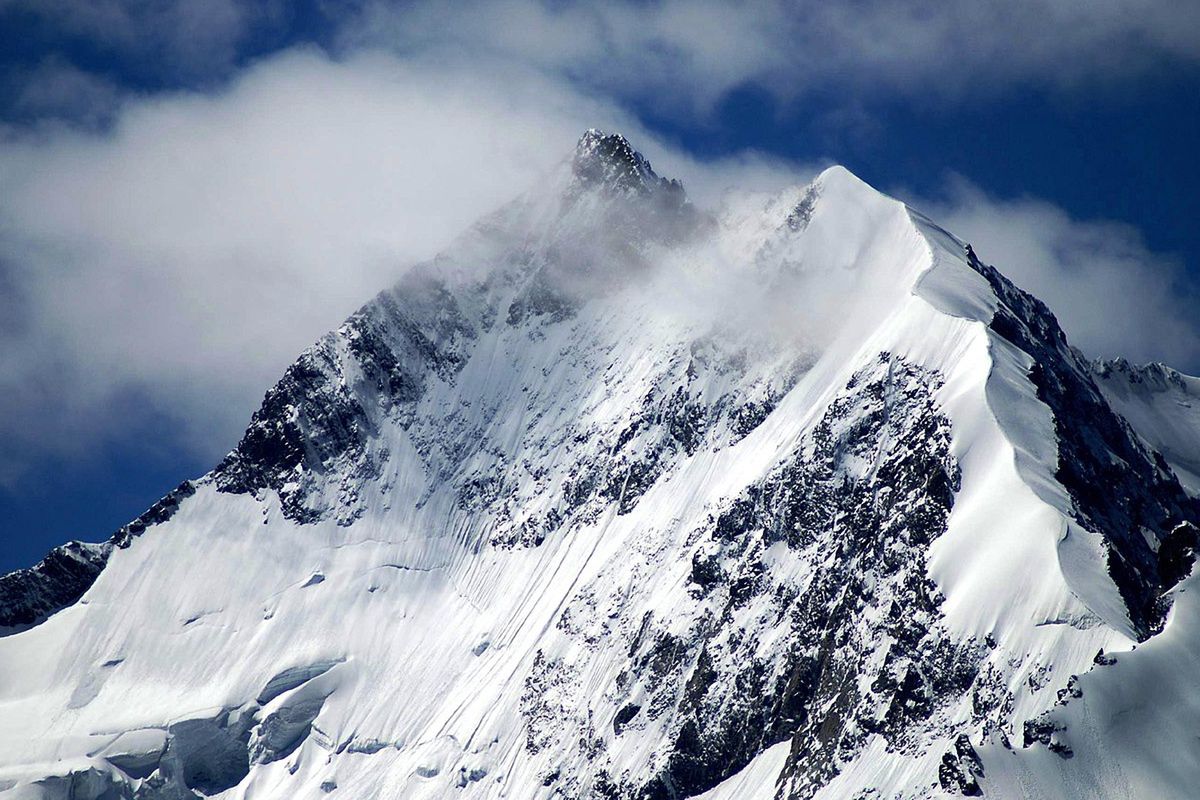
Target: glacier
[[622, 498]]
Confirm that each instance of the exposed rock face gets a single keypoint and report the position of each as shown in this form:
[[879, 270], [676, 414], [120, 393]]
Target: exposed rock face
[[160, 512], [323, 415], [609, 160], [31, 595], [961, 769], [1163, 406], [810, 614]]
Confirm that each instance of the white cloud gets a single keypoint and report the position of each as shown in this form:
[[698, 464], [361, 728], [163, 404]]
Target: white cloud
[[1111, 293], [58, 89], [680, 55], [685, 54]]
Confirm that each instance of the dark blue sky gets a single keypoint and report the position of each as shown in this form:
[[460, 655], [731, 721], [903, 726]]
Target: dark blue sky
[[1120, 147], [1128, 154]]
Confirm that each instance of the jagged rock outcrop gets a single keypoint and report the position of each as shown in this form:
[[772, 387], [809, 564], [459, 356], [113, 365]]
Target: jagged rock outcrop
[[31, 595]]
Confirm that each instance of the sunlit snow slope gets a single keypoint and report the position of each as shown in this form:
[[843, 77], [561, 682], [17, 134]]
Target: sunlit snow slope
[[618, 499]]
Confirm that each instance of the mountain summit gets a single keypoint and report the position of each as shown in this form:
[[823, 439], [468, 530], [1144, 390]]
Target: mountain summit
[[618, 499], [609, 160]]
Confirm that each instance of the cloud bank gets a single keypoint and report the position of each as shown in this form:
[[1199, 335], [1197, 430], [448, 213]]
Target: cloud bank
[[685, 53], [690, 52]]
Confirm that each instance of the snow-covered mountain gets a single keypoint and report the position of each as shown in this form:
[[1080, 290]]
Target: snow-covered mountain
[[620, 499]]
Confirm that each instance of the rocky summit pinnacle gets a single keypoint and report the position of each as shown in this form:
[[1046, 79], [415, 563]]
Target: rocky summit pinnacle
[[609, 160], [621, 499]]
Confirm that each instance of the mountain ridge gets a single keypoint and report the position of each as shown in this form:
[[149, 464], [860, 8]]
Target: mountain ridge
[[597, 485]]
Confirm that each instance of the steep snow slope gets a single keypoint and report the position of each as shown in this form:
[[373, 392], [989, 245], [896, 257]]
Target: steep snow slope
[[1130, 724], [616, 499]]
